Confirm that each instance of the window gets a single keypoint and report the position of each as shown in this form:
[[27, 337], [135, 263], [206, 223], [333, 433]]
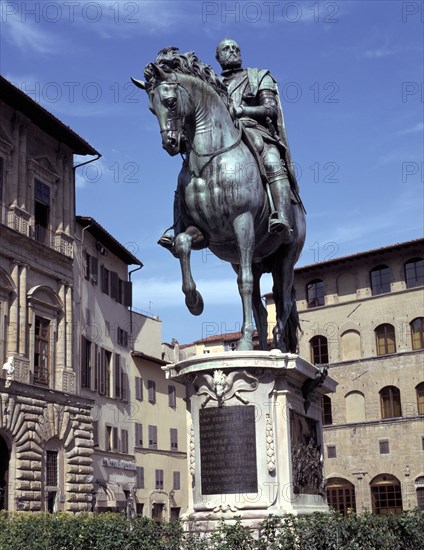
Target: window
[[331, 451], [104, 273], [230, 346], [1, 181], [158, 479], [420, 398], [139, 388], [51, 480], [41, 351], [315, 293], [380, 280], [91, 268], [327, 416], [104, 372], [85, 363], [172, 396], [140, 477], [174, 439], [95, 433], [386, 496], [51, 468], [124, 441], [385, 339], [419, 486], [122, 337], [115, 439], [176, 481], [319, 350], [341, 495], [121, 379], [153, 437], [390, 402], [384, 446], [114, 285], [41, 211], [417, 333], [414, 272], [108, 438], [138, 434], [151, 390]]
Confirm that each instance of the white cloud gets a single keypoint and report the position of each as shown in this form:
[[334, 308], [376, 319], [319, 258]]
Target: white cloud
[[27, 32], [419, 127]]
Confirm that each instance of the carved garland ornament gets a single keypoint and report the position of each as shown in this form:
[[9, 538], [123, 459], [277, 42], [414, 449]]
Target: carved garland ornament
[[270, 448], [221, 387]]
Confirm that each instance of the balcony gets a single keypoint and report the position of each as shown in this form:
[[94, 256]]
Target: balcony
[[20, 221]]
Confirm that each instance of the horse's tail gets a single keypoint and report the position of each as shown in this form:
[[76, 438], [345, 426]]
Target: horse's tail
[[293, 326]]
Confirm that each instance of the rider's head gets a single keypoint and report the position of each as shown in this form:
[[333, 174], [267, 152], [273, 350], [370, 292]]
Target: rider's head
[[228, 54]]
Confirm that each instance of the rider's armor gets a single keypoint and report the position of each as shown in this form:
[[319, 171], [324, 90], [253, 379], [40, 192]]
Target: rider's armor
[[256, 104]]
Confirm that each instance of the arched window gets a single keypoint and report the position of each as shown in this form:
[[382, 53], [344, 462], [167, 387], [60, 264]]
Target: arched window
[[419, 487], [390, 402], [414, 272], [327, 414], [355, 407], [319, 350], [420, 397], [386, 495], [341, 495], [351, 345], [380, 280], [385, 339], [315, 293], [417, 333]]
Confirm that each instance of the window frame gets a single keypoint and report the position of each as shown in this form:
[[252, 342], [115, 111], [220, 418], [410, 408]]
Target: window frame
[[153, 436], [418, 277], [315, 293], [390, 402], [319, 350], [384, 344], [380, 280], [41, 374], [417, 333]]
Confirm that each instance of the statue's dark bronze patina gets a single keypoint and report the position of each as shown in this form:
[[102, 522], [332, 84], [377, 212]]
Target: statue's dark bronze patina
[[230, 196]]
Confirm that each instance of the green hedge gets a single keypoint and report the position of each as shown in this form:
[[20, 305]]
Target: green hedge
[[28, 531]]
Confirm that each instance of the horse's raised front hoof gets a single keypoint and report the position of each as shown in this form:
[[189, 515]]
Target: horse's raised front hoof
[[194, 303]]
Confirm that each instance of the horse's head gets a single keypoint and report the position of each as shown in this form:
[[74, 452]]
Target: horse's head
[[170, 102]]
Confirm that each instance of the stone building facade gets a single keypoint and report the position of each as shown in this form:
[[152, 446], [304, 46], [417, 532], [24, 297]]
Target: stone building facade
[[102, 351], [363, 315], [45, 429], [160, 427]]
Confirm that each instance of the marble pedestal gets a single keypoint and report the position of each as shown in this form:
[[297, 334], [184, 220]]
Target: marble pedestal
[[255, 435]]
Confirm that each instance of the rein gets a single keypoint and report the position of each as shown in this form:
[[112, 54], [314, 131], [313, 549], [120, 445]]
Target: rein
[[192, 148]]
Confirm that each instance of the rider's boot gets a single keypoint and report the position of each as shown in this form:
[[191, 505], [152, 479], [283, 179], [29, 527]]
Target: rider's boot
[[166, 240], [279, 218]]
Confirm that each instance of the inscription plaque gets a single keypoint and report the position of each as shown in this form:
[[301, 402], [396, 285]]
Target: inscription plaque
[[228, 450]]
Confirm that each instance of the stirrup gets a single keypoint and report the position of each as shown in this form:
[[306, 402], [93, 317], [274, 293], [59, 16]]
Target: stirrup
[[277, 226]]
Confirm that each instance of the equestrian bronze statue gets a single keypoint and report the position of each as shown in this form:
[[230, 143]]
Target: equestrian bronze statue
[[237, 194]]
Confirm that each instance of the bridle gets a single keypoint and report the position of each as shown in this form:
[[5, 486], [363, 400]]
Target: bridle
[[173, 127]]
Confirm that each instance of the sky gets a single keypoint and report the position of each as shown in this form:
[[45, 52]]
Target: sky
[[350, 75]]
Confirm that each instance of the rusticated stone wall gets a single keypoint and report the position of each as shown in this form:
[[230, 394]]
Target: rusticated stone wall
[[31, 418]]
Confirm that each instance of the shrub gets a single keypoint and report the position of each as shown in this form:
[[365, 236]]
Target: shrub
[[62, 531]]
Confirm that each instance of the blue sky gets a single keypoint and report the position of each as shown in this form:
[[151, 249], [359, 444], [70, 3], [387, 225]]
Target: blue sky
[[350, 75]]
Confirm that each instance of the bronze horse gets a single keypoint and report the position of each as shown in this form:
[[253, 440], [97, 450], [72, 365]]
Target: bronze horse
[[221, 200]]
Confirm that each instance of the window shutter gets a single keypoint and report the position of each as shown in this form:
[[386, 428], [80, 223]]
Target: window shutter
[[95, 433], [94, 269], [176, 485], [140, 477], [139, 388], [124, 385], [114, 285], [138, 434], [118, 378], [127, 293], [115, 439]]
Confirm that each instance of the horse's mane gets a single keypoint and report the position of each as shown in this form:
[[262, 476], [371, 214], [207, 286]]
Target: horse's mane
[[169, 60]]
